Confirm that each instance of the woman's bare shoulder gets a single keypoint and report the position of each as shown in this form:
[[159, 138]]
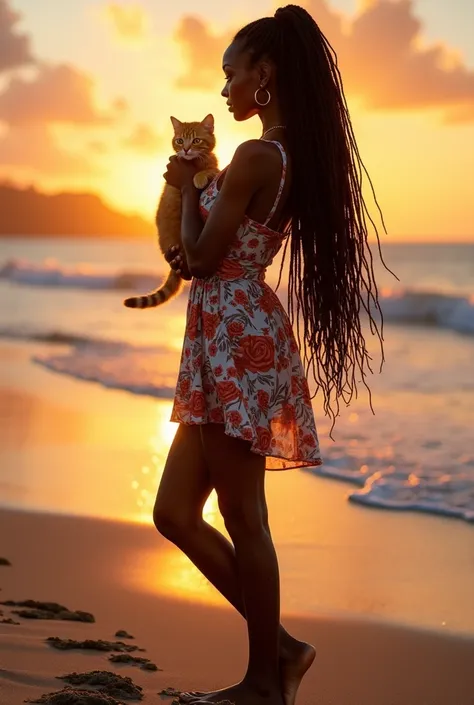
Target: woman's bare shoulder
[[259, 155]]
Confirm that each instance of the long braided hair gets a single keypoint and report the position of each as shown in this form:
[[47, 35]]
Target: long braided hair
[[331, 278]]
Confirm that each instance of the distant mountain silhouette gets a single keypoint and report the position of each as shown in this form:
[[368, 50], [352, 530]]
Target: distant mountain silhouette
[[30, 212]]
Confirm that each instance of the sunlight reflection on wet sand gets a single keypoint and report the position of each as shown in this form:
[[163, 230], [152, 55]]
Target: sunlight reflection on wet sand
[[168, 570]]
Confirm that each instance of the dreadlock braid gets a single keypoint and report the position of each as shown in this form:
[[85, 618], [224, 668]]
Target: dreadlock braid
[[331, 277]]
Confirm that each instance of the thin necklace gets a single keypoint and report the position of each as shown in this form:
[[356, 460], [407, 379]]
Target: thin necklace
[[275, 127]]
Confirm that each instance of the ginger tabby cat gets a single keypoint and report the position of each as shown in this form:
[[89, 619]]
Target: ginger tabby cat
[[192, 140]]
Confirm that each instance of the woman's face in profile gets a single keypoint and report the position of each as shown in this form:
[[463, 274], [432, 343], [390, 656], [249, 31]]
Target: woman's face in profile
[[242, 80]]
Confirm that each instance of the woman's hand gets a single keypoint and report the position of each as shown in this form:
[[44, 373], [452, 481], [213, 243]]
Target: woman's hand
[[180, 172], [177, 262]]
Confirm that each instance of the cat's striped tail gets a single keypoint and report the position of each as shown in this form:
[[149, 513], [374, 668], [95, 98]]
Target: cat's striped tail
[[160, 296]]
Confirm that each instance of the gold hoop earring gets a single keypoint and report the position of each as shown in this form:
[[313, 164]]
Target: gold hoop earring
[[269, 97]]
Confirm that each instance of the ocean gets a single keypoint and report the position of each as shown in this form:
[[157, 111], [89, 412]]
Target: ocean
[[416, 452]]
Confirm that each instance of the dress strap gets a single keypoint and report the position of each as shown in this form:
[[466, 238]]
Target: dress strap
[[282, 181]]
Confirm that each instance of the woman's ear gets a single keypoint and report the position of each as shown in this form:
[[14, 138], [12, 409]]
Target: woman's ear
[[265, 73]]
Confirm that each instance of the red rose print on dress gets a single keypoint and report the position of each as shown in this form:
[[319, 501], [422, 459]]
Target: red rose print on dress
[[235, 329], [256, 353], [216, 415], [309, 440], [184, 387], [268, 302], [241, 298], [264, 438], [210, 323], [247, 433], [227, 391], [235, 418], [197, 403]]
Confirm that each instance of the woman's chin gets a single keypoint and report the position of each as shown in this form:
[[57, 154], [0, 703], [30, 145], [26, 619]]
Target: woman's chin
[[240, 117]]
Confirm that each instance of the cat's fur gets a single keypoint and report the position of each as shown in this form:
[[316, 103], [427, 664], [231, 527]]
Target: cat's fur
[[192, 140]]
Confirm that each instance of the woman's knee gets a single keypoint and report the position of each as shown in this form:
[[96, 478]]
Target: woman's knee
[[172, 523], [243, 518]]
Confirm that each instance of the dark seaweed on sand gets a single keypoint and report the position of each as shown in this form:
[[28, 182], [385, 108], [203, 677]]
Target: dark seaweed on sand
[[170, 693], [72, 696], [123, 634], [144, 663], [48, 610], [107, 682], [9, 620], [94, 644]]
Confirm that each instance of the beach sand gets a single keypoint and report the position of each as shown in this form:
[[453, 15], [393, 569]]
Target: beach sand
[[85, 564], [385, 597]]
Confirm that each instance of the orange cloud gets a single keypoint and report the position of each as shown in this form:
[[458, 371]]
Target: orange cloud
[[35, 149], [385, 65], [202, 51], [129, 22], [379, 52], [14, 48], [57, 94], [144, 139]]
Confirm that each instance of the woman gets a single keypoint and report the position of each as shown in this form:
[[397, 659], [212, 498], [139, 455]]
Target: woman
[[242, 399]]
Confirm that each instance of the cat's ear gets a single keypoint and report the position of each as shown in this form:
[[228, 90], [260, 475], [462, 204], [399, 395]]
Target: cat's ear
[[208, 123], [177, 124]]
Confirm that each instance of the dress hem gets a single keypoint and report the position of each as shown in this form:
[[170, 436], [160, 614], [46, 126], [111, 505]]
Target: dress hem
[[297, 462]]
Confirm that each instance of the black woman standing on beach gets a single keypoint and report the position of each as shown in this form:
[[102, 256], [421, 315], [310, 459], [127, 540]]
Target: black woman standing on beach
[[242, 399]]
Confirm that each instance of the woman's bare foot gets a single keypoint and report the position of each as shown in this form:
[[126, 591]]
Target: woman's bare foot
[[243, 694], [293, 666]]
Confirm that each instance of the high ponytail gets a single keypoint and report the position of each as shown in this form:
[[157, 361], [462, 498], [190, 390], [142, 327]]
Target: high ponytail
[[331, 278]]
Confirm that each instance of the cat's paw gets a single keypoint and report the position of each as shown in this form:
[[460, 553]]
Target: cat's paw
[[201, 179]]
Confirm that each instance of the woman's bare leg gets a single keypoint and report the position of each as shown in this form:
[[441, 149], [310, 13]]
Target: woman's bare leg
[[239, 477], [184, 489]]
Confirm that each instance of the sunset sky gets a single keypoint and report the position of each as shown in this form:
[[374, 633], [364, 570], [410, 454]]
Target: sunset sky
[[87, 88]]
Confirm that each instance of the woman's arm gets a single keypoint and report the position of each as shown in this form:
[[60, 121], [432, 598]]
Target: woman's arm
[[206, 245]]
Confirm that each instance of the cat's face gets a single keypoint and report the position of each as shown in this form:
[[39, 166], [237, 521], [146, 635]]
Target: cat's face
[[193, 140]]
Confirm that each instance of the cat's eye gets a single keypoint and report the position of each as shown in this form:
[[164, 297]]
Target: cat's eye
[[197, 140], [179, 140]]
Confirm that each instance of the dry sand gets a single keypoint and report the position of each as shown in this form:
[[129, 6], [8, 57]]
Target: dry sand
[[86, 564]]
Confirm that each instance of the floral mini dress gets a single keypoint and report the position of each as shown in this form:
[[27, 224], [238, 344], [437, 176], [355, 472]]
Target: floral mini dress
[[240, 364]]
